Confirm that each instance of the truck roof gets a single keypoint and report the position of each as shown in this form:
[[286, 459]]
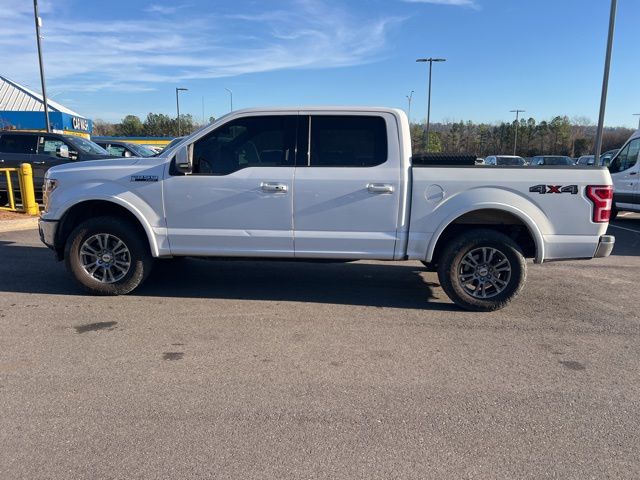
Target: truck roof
[[320, 108]]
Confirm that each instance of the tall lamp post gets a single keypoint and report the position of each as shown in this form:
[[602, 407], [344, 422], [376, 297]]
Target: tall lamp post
[[605, 82], [637, 115], [515, 142], [409, 99], [44, 88], [430, 60], [178, 90], [230, 98]]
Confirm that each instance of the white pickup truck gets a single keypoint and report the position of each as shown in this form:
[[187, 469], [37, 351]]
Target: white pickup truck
[[322, 183]]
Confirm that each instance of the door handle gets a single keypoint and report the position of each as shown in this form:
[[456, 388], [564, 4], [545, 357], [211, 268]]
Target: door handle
[[274, 187], [380, 188], [633, 173]]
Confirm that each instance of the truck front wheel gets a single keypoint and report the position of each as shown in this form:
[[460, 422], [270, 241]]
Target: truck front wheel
[[107, 256], [482, 270]]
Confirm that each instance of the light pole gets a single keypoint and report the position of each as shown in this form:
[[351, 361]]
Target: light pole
[[605, 82], [44, 88], [637, 115], [230, 98], [178, 90], [409, 99], [430, 60], [515, 142]]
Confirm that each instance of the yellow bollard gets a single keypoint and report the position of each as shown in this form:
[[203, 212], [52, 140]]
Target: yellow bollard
[[28, 195]]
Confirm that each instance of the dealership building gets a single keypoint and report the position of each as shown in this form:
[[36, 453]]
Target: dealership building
[[23, 109]]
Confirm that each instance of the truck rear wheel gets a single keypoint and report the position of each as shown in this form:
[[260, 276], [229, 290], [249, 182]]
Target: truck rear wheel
[[482, 270], [107, 256]]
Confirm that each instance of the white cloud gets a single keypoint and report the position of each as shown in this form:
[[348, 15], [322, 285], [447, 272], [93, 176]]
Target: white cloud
[[138, 54], [457, 3]]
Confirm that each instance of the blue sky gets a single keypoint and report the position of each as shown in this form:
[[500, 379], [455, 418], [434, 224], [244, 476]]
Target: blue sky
[[108, 59]]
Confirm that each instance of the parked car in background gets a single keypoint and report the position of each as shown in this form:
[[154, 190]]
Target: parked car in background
[[505, 160], [606, 157], [586, 160], [625, 170], [556, 160], [118, 148], [43, 151]]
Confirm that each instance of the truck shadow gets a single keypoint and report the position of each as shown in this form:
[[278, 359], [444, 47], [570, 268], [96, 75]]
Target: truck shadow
[[627, 232], [32, 269]]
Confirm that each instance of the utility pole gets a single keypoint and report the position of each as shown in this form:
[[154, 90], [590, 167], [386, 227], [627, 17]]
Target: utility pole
[[430, 60], [409, 99], [637, 115], [44, 88], [230, 98], [605, 82], [178, 90], [515, 142]]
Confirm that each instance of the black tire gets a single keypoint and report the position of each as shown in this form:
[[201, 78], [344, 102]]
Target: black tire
[[138, 256], [4, 199], [503, 287]]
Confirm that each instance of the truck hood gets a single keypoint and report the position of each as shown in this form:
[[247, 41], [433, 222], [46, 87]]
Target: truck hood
[[105, 163]]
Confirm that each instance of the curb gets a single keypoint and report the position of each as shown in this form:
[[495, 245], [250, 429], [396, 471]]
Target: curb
[[20, 224]]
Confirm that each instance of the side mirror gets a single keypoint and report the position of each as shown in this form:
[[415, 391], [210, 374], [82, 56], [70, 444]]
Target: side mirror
[[127, 153], [62, 151], [184, 158]]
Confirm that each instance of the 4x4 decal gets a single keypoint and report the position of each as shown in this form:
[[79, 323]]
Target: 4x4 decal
[[542, 189]]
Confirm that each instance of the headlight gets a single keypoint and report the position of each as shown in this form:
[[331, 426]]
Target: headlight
[[50, 184]]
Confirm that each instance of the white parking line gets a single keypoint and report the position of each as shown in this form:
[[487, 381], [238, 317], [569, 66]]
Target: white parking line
[[624, 228]]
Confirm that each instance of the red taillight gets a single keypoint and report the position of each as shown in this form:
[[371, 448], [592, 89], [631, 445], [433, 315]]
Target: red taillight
[[602, 198]]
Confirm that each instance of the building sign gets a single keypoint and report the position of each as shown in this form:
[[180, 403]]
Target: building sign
[[80, 123]]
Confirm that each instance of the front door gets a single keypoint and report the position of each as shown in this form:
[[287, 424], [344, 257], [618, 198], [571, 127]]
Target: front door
[[238, 199], [625, 172], [347, 187], [46, 157]]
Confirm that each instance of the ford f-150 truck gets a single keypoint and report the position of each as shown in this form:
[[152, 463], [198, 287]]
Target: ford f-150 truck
[[322, 184]]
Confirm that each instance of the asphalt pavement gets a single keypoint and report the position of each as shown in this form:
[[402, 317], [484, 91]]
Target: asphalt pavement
[[261, 370]]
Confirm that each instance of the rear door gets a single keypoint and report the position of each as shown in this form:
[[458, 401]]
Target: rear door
[[625, 171], [15, 150], [346, 186]]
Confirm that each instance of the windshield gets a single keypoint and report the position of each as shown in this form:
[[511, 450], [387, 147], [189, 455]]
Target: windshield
[[86, 146], [172, 144], [140, 150], [586, 160], [511, 161]]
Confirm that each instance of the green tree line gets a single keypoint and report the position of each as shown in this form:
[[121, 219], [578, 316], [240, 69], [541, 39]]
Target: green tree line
[[154, 125], [558, 136]]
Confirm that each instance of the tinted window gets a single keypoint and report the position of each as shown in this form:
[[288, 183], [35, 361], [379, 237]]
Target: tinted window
[[627, 157], [18, 143], [348, 141], [116, 150], [49, 146], [246, 142], [510, 161]]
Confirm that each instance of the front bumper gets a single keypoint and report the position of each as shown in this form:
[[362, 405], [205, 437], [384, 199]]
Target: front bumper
[[47, 230], [605, 246]]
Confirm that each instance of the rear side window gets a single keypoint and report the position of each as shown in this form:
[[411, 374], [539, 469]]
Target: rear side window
[[348, 141], [116, 150], [18, 143]]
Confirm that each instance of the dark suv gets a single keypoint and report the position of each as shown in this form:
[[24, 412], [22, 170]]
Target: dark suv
[[42, 151]]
